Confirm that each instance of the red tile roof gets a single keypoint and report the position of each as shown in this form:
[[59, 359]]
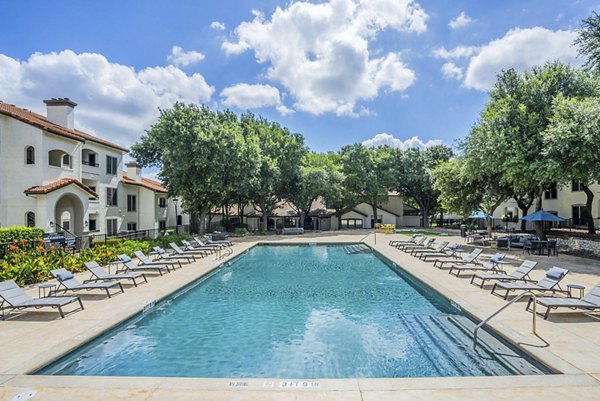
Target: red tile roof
[[53, 186], [146, 183], [39, 121]]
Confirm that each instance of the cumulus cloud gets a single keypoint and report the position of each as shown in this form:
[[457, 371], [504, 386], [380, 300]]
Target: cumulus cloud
[[521, 49], [320, 52], [387, 139], [181, 59], [456, 53], [115, 101], [245, 96], [219, 26], [461, 21], [452, 71]]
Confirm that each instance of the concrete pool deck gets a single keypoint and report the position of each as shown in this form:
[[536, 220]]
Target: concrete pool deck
[[568, 342]]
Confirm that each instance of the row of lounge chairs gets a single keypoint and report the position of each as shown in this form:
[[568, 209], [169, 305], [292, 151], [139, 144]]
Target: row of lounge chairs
[[13, 297], [482, 273]]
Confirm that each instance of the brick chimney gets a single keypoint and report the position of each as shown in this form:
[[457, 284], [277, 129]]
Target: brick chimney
[[134, 171], [61, 111]]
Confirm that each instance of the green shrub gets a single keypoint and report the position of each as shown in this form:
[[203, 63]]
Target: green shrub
[[18, 233], [240, 231], [164, 241]]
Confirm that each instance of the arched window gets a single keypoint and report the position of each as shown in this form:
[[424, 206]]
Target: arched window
[[29, 155], [30, 219]]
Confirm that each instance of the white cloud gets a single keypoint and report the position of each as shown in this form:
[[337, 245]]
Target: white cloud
[[452, 71], [181, 59], [521, 49], [320, 52], [115, 101], [219, 26], [456, 53], [245, 96], [387, 139], [461, 21]]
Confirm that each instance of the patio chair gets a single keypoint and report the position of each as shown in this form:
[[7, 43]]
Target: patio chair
[[521, 274], [178, 251], [491, 265], [551, 247], [15, 299], [418, 242], [550, 282], [589, 302], [68, 282], [130, 266], [450, 252], [189, 247], [144, 260], [426, 245], [470, 258], [163, 255], [215, 247], [412, 240], [210, 241], [99, 274], [417, 252], [207, 245]]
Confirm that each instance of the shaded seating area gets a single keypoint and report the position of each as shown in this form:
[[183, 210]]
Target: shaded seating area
[[99, 274], [14, 298], [68, 282], [588, 303]]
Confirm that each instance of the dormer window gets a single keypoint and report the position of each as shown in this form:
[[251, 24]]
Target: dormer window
[[30, 155]]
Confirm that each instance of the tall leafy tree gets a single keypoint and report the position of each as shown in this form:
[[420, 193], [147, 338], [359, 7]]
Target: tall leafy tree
[[278, 163], [588, 42], [572, 146], [414, 180], [369, 174], [335, 194], [192, 147]]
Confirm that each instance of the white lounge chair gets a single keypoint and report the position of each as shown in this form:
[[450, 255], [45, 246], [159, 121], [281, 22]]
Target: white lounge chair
[[550, 283], [99, 274], [68, 282], [130, 266], [144, 260], [521, 274], [470, 258], [492, 265], [588, 303], [14, 298], [417, 252]]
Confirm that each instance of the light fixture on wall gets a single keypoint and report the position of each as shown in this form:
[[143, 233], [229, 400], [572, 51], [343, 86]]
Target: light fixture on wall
[[51, 224], [85, 223]]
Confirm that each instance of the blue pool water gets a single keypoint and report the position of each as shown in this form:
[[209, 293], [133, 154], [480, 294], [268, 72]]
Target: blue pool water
[[292, 312]]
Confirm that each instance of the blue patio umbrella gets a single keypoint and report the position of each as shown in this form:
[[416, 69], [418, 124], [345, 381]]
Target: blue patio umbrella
[[542, 215], [480, 215]]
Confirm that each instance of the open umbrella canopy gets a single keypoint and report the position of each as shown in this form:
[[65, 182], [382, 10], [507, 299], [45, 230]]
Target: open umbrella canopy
[[479, 215], [542, 215]]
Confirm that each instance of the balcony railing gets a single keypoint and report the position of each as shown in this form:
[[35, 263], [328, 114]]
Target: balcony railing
[[88, 163]]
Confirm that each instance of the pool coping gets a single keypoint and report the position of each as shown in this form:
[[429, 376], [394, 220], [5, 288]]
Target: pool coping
[[572, 377]]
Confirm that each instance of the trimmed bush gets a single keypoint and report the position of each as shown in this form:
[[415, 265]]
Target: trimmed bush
[[18, 233]]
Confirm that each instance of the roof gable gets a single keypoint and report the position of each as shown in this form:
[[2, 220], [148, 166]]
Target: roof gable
[[53, 186]]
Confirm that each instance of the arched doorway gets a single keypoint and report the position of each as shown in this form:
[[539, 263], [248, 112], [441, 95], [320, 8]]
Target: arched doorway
[[69, 213]]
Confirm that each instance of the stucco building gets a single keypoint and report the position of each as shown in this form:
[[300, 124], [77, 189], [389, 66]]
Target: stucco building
[[54, 176]]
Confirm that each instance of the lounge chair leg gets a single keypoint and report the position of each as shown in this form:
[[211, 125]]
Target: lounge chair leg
[[121, 287], [547, 313], [134, 283], [60, 312], [107, 292]]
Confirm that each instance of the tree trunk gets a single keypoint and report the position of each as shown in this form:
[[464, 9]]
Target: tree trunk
[[524, 206], [338, 213], [425, 214], [374, 206], [240, 210], [265, 218], [194, 223], [588, 209]]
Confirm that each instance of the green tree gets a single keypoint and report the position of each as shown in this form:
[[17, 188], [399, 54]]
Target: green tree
[[335, 194], [278, 163], [588, 42], [369, 174], [414, 180], [313, 178], [572, 146]]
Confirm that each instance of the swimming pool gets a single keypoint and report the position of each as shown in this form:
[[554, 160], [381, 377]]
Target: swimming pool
[[298, 312]]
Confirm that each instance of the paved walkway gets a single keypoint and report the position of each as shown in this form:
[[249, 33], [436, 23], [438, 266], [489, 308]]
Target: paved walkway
[[569, 342]]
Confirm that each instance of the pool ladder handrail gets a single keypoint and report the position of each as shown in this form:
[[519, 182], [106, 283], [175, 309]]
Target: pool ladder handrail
[[515, 299]]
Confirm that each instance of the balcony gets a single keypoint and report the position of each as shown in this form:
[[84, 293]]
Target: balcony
[[89, 170]]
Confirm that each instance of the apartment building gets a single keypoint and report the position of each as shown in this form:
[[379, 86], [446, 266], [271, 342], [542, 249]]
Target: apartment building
[[54, 176]]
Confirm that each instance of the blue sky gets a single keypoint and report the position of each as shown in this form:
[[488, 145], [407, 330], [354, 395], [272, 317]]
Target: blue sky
[[401, 72]]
